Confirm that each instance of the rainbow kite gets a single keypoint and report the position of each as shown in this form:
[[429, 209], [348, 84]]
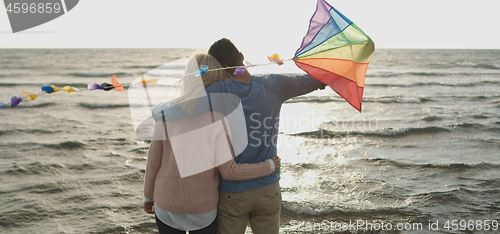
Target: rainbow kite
[[336, 52]]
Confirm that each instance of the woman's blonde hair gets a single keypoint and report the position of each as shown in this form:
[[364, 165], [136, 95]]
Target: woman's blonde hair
[[192, 86]]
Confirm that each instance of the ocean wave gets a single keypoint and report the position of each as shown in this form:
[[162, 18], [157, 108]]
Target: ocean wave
[[28, 131], [136, 227], [383, 74], [110, 141], [410, 131], [35, 169], [398, 99], [49, 188], [460, 195], [111, 154], [480, 128], [444, 67], [479, 65], [315, 99], [9, 75], [493, 143], [131, 176], [472, 97], [143, 66], [36, 146], [401, 132], [477, 127], [479, 98], [37, 131], [67, 145], [432, 118], [491, 183], [480, 116], [98, 74], [9, 84], [445, 166], [37, 105], [395, 99], [386, 132], [140, 150], [81, 167], [417, 84], [448, 196], [31, 212], [307, 208], [46, 168], [172, 66], [391, 99], [102, 105], [429, 74]]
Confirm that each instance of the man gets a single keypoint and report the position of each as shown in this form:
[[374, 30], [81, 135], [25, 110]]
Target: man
[[257, 201]]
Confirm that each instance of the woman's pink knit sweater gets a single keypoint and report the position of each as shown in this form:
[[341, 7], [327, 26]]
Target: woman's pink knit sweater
[[196, 192]]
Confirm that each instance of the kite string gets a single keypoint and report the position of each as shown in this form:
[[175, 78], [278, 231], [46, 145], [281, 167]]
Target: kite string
[[245, 66]]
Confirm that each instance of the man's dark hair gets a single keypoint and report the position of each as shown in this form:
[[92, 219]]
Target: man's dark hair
[[226, 53]]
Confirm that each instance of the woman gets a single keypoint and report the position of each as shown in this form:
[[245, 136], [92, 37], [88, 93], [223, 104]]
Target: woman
[[186, 157]]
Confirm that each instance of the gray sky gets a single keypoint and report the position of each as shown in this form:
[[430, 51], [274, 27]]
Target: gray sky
[[258, 26]]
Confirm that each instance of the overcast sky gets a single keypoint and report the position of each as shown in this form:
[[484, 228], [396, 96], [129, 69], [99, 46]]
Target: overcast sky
[[263, 26]]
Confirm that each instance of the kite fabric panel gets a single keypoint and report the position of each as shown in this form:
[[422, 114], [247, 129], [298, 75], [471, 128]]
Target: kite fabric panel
[[336, 52]]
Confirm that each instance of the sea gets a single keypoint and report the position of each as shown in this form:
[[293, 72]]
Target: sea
[[422, 157]]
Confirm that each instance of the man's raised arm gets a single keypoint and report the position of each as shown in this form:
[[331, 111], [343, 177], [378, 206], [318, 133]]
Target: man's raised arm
[[289, 86]]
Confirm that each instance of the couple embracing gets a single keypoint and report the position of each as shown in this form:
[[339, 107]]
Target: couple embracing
[[199, 178]]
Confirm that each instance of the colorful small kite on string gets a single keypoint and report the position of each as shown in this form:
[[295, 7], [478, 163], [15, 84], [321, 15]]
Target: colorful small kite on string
[[27, 95], [15, 100], [151, 81], [275, 58], [116, 84], [94, 86], [49, 88], [69, 89]]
